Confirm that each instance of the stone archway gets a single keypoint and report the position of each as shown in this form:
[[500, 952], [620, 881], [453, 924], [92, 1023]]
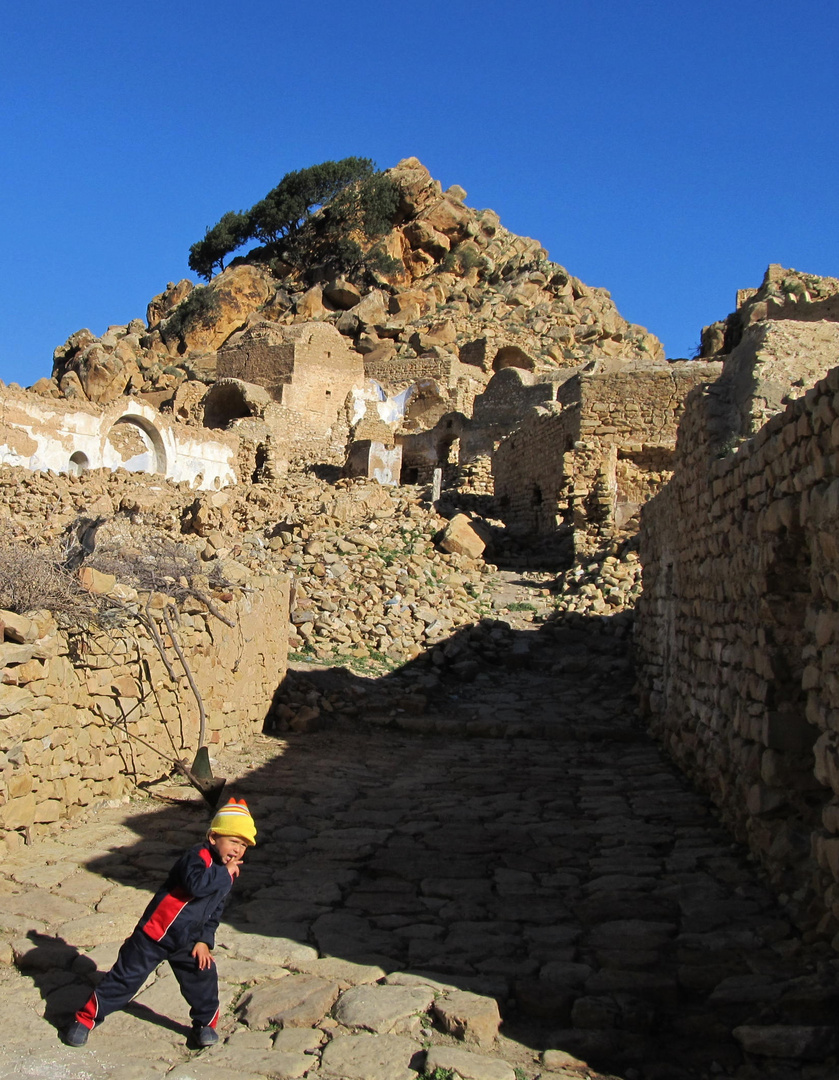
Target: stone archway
[[137, 444], [229, 400]]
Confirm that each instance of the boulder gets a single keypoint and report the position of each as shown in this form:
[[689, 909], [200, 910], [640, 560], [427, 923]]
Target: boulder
[[461, 538], [164, 303], [310, 304], [371, 310], [103, 376], [237, 292], [342, 294]]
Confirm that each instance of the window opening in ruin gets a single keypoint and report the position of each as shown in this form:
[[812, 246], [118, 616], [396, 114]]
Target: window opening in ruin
[[512, 356], [444, 449], [329, 393], [261, 461], [135, 444], [536, 496], [79, 463], [409, 475]]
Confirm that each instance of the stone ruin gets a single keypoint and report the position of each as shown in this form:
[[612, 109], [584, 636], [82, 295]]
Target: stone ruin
[[586, 462], [469, 300], [65, 437]]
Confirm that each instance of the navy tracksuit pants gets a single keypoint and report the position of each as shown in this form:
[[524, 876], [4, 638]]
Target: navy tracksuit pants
[[137, 959]]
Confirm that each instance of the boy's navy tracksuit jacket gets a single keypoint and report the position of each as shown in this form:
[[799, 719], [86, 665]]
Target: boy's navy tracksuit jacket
[[184, 911]]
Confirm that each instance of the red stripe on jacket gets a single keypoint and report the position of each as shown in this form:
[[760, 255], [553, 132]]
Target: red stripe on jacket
[[166, 912]]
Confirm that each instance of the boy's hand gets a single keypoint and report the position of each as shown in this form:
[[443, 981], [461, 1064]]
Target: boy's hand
[[232, 865], [202, 954]]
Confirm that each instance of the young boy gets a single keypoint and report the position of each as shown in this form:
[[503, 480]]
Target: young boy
[[179, 925]]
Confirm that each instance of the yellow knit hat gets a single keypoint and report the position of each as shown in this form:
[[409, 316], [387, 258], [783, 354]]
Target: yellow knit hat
[[234, 819]]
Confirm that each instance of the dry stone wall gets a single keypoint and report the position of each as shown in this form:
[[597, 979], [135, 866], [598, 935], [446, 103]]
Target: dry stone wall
[[737, 632], [87, 714]]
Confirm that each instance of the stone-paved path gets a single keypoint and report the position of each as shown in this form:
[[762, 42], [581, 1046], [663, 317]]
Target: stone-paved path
[[403, 884]]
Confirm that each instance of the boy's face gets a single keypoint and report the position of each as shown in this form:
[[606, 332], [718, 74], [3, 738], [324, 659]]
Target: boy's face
[[230, 848]]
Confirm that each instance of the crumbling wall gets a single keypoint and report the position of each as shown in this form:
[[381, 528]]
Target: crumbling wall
[[509, 396], [85, 715], [424, 451], [784, 295], [393, 371], [592, 458], [737, 631], [308, 367], [53, 435], [531, 469]]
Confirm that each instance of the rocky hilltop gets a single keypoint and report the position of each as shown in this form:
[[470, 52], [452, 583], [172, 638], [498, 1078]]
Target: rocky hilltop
[[465, 290]]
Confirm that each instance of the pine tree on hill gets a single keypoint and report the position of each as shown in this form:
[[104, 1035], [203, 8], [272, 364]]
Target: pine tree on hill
[[329, 215]]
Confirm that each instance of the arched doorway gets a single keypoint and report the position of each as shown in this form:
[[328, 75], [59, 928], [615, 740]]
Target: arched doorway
[[137, 445]]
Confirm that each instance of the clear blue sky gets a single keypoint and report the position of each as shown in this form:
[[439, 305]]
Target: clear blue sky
[[666, 152]]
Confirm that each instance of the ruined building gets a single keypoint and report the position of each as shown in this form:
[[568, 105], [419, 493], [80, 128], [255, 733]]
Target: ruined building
[[588, 460]]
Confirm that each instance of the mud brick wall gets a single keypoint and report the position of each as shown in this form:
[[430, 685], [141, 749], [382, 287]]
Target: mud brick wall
[[737, 633], [71, 702]]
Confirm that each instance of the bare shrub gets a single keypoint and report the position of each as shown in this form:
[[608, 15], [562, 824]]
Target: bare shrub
[[32, 578], [163, 566]]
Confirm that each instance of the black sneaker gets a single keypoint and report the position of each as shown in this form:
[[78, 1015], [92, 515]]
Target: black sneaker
[[204, 1036], [76, 1034]]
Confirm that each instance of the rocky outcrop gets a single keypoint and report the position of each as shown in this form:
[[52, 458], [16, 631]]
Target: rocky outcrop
[[468, 294]]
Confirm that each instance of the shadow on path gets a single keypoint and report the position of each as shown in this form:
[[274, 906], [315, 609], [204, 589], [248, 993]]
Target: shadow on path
[[64, 978], [574, 876]]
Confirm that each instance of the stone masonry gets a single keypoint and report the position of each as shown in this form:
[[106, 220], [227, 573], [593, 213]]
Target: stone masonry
[[87, 714], [308, 367], [738, 626], [593, 457]]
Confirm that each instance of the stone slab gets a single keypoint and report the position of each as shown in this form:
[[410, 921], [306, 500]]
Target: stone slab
[[382, 1009], [467, 1065], [372, 1057]]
